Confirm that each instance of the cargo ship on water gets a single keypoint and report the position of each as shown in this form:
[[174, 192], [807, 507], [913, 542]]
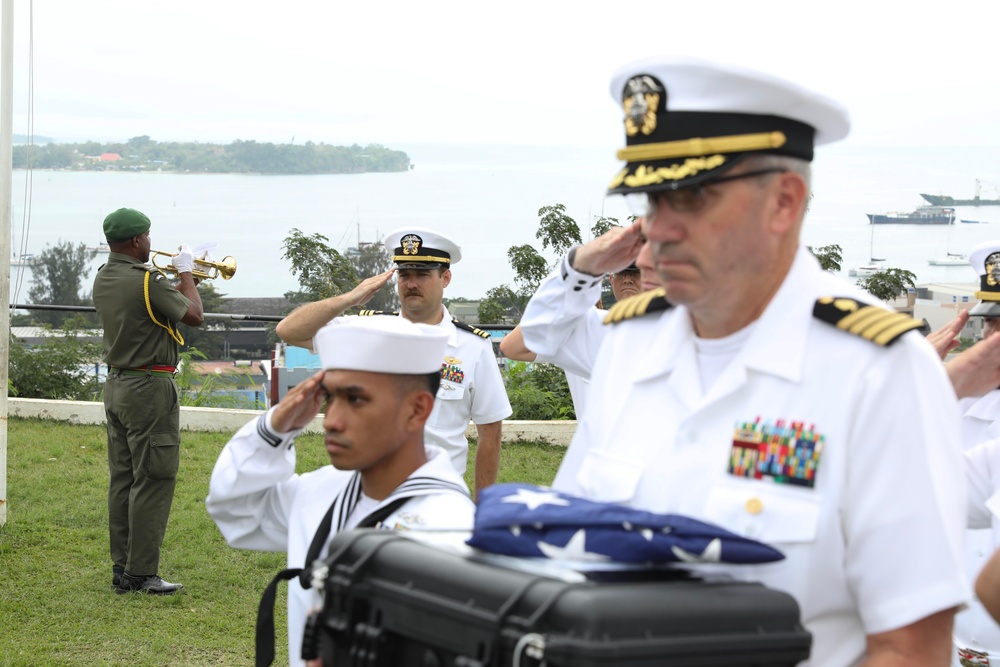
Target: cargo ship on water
[[945, 200], [924, 215]]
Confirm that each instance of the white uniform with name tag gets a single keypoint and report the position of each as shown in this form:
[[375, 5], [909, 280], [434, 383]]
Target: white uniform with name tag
[[471, 390], [977, 635]]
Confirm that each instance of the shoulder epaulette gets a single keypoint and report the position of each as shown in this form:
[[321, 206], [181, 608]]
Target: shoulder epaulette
[[365, 313], [652, 301], [875, 323], [471, 329]]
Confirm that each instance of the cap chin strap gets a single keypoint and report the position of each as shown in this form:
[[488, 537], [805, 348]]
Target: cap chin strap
[[174, 333]]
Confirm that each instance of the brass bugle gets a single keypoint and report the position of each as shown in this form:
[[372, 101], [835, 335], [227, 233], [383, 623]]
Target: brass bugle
[[203, 268]]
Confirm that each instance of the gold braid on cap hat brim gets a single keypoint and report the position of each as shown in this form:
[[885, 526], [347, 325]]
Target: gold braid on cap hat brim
[[420, 258], [988, 296], [736, 143]]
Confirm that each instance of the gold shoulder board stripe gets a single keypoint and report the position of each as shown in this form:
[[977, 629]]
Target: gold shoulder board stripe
[[366, 313], [875, 323], [652, 301], [471, 329]]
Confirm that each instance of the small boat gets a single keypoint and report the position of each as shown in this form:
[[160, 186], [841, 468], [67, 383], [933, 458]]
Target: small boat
[[101, 248], [923, 215], [865, 270], [874, 264], [26, 259], [950, 259], [976, 222]]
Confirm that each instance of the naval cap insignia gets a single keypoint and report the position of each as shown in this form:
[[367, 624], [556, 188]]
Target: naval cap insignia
[[641, 100], [992, 267], [411, 244]]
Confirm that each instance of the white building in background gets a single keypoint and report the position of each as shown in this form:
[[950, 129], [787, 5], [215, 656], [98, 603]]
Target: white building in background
[[939, 303]]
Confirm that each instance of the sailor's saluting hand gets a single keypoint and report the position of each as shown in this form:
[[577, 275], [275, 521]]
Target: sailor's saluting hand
[[306, 320], [366, 289], [300, 405], [612, 251]]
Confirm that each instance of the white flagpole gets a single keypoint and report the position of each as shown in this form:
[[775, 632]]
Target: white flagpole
[[6, 150]]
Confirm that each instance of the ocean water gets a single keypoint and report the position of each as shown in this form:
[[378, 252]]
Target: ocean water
[[487, 198]]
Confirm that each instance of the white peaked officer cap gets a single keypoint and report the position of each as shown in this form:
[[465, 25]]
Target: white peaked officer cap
[[688, 121], [985, 260], [381, 344], [421, 248]]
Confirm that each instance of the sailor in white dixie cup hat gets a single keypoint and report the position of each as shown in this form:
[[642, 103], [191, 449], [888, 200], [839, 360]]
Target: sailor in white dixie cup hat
[[376, 391], [976, 632], [753, 389], [471, 385]]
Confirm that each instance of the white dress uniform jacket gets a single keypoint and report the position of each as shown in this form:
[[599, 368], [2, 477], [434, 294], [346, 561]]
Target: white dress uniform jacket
[[579, 380], [875, 543], [975, 629], [259, 502], [471, 389]]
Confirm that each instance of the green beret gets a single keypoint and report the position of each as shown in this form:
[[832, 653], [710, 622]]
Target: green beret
[[125, 223]]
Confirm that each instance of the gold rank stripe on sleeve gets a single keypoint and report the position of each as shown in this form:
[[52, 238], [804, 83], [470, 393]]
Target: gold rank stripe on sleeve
[[366, 313], [648, 302], [471, 329], [874, 323]]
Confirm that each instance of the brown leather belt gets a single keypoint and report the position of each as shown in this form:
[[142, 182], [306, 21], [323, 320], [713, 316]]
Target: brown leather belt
[[155, 370]]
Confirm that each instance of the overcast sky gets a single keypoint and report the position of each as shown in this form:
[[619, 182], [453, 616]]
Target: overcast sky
[[526, 72]]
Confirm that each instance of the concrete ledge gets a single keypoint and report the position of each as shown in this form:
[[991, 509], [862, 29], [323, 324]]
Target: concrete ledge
[[558, 433]]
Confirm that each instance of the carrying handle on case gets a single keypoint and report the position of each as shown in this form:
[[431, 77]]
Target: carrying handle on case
[[532, 644]]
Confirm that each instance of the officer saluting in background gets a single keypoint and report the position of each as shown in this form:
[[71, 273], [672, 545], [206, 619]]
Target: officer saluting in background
[[139, 310], [755, 390], [471, 386]]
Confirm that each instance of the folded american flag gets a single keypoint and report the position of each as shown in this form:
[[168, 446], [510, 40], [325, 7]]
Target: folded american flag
[[526, 520]]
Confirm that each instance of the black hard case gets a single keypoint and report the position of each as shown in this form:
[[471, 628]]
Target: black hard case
[[390, 600]]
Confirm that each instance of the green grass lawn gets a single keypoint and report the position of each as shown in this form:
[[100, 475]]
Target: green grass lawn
[[57, 606]]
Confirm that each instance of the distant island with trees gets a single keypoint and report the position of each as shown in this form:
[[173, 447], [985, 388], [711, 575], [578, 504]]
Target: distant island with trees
[[239, 157]]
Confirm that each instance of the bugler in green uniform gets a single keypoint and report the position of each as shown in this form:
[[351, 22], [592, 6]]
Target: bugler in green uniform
[[139, 309]]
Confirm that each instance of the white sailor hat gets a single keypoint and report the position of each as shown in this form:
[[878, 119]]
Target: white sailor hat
[[421, 248], [687, 121], [382, 344], [985, 259]]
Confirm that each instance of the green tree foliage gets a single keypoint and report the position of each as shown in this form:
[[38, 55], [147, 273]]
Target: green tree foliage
[[144, 154], [499, 302], [371, 259], [61, 368], [604, 225], [887, 285], [829, 256], [57, 277], [557, 232], [322, 271], [538, 391], [530, 268]]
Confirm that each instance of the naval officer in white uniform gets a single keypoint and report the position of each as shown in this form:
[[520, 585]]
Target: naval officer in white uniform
[[977, 635], [755, 390], [471, 386], [376, 392]]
